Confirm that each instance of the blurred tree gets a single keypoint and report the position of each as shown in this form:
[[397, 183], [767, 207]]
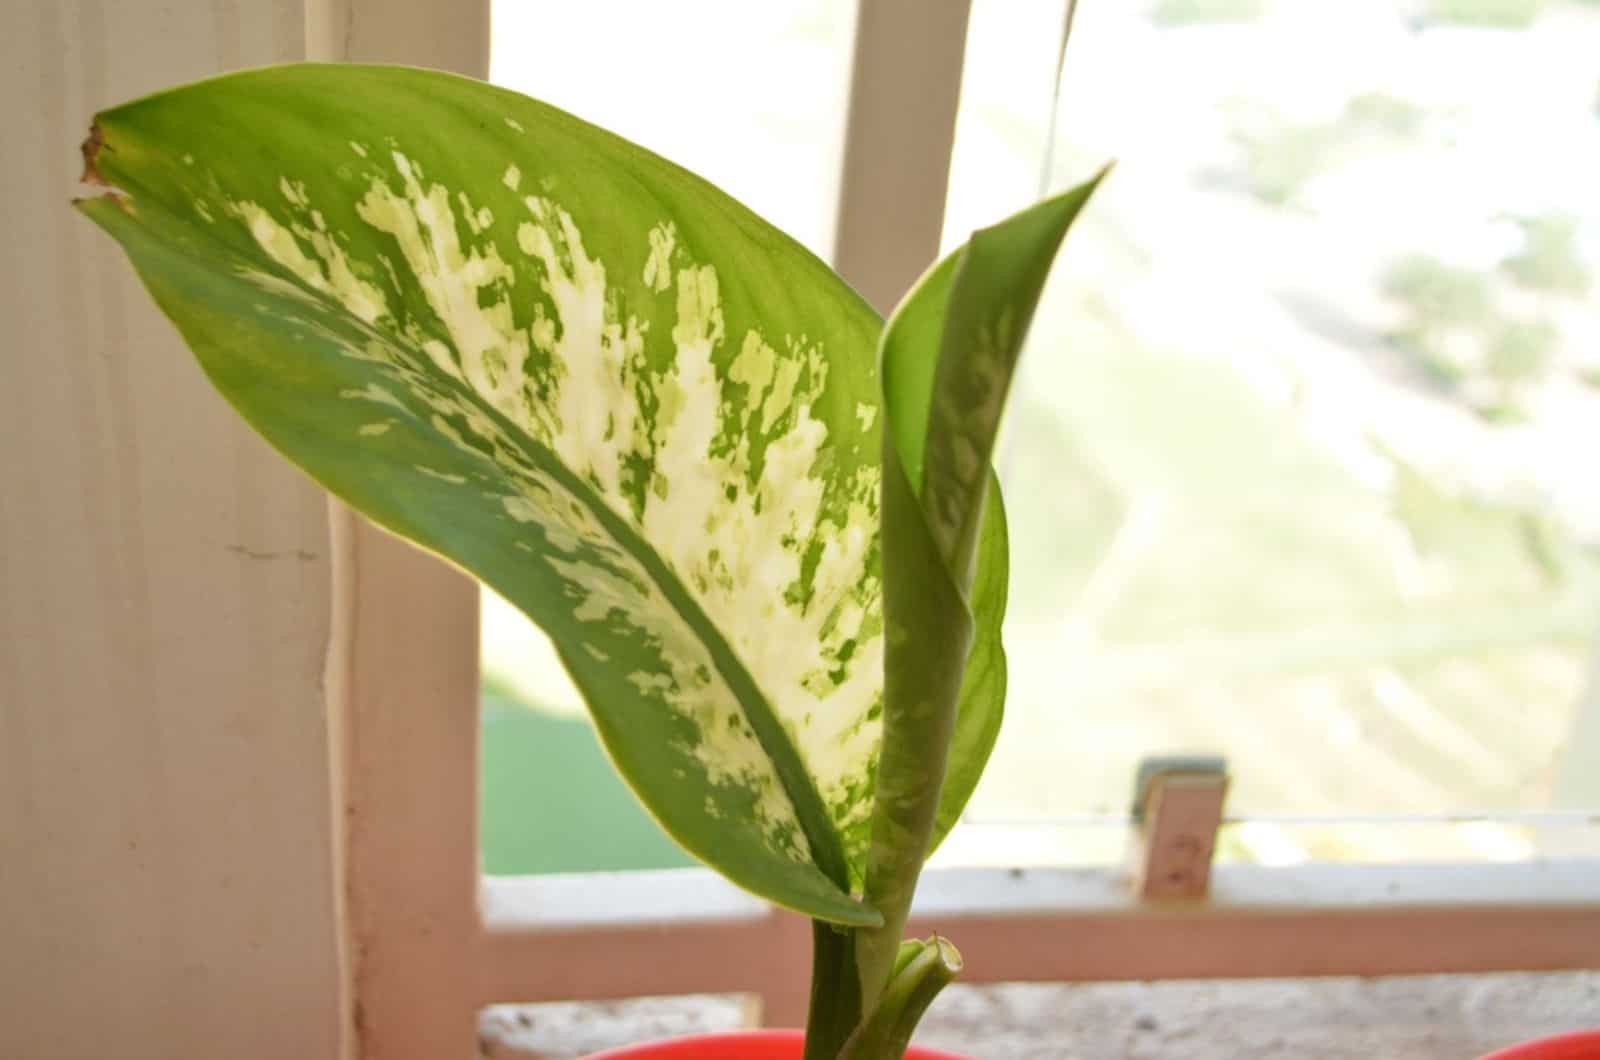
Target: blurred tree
[[1550, 259]]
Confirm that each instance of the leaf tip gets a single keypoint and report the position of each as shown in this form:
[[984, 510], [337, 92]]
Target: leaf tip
[[92, 145]]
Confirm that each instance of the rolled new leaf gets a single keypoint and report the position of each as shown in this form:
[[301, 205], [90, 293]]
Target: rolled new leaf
[[947, 360]]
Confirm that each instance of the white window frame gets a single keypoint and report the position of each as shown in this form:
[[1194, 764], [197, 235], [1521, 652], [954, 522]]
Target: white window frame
[[431, 941]]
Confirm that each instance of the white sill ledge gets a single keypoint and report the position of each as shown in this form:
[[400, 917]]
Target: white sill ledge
[[618, 935]]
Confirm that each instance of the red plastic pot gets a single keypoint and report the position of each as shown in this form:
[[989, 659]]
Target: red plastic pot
[[738, 1045], [1579, 1045], [786, 1045]]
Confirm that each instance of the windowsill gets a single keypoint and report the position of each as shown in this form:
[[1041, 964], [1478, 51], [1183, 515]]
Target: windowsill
[[1400, 1018]]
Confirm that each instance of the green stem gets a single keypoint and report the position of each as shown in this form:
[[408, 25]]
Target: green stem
[[835, 991]]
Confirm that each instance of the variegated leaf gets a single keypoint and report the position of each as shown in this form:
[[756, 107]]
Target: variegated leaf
[[645, 417]]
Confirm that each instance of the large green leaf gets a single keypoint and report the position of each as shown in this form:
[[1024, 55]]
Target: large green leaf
[[644, 416]]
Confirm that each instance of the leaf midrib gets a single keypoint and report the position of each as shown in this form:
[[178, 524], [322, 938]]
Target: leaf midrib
[[822, 839]]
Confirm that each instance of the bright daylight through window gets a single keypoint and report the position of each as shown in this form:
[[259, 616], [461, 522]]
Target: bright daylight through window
[[1299, 469]]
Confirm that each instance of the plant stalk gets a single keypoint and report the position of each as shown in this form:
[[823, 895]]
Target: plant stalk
[[835, 1009]]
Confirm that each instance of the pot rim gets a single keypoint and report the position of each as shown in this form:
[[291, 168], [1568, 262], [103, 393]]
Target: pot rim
[[683, 1047], [1570, 1045]]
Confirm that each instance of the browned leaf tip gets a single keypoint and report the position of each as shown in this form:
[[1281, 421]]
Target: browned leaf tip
[[91, 157], [92, 147]]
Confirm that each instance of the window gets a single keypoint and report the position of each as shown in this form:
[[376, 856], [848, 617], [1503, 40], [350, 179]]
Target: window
[[1296, 475], [1298, 465]]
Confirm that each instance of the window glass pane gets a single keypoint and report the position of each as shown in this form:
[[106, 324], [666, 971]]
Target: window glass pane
[[1301, 468], [1257, 839], [750, 96]]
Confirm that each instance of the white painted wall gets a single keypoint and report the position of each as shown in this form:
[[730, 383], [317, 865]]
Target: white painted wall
[[167, 884], [173, 780]]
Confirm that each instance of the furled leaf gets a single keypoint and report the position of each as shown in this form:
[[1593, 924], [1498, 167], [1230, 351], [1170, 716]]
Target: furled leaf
[[983, 686], [641, 414], [910, 359], [948, 356], [953, 404]]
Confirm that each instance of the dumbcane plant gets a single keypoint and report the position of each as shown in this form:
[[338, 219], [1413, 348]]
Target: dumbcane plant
[[759, 525]]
